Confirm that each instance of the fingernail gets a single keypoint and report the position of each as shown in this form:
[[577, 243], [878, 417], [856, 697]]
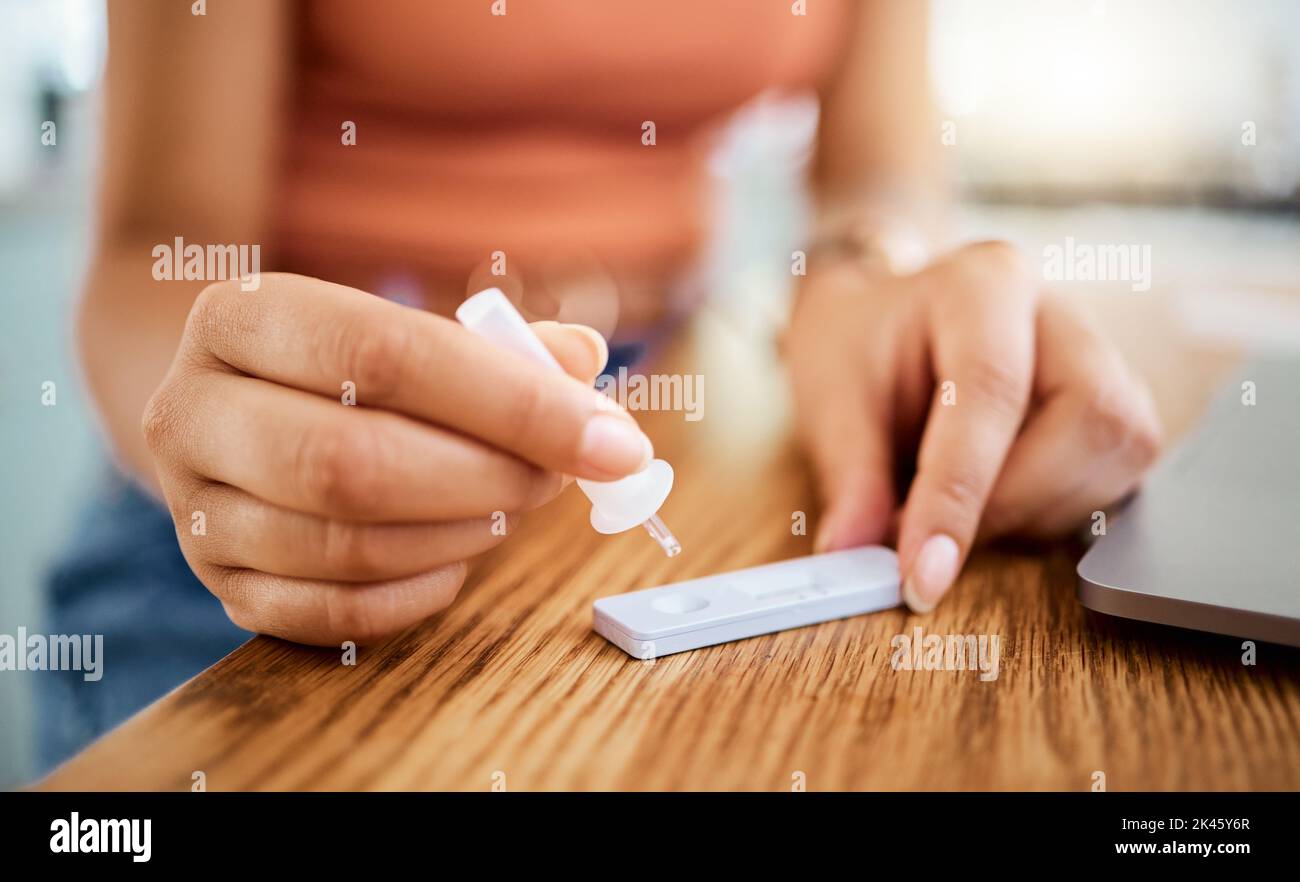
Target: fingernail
[[932, 573], [598, 344], [613, 444]]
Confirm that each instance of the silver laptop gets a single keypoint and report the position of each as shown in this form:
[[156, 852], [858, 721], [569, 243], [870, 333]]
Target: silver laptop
[[1212, 541]]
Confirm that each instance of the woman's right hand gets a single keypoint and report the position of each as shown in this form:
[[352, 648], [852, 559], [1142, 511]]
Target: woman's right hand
[[320, 522]]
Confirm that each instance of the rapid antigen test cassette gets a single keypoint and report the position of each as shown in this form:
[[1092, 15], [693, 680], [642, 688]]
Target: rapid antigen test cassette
[[746, 603]]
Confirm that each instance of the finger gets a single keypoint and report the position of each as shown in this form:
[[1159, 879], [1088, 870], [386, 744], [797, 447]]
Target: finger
[[303, 452], [580, 350], [843, 416], [1120, 475], [849, 446], [1086, 446], [241, 531], [316, 336], [982, 333], [324, 613]]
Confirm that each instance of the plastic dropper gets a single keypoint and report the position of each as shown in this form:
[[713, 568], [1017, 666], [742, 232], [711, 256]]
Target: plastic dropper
[[616, 506], [660, 533]]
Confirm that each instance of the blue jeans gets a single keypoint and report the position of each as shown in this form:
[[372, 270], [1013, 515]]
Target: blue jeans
[[125, 578]]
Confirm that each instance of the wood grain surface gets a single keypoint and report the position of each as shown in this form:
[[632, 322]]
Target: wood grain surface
[[511, 687]]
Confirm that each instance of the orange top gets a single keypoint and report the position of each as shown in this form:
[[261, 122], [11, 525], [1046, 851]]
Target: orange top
[[524, 132]]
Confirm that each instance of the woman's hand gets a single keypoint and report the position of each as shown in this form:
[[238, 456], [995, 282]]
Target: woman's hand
[[1017, 416], [323, 522]]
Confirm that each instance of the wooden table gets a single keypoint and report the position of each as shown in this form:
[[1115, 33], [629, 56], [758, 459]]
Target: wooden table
[[510, 687]]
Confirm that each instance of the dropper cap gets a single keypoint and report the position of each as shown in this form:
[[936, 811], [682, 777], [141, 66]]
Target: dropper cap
[[621, 505], [616, 506]]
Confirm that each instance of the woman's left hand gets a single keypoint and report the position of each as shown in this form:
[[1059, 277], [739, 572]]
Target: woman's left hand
[[1018, 416]]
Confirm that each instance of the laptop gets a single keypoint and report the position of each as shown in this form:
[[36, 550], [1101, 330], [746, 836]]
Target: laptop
[[1212, 540]]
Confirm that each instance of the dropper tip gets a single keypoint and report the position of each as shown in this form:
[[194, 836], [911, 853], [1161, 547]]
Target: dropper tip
[[659, 531]]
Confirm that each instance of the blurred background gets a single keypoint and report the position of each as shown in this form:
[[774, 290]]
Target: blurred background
[[1168, 123]]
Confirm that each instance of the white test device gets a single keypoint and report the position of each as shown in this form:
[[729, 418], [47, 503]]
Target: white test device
[[745, 603]]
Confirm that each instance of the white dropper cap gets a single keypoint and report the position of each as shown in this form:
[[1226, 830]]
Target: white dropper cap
[[616, 506]]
